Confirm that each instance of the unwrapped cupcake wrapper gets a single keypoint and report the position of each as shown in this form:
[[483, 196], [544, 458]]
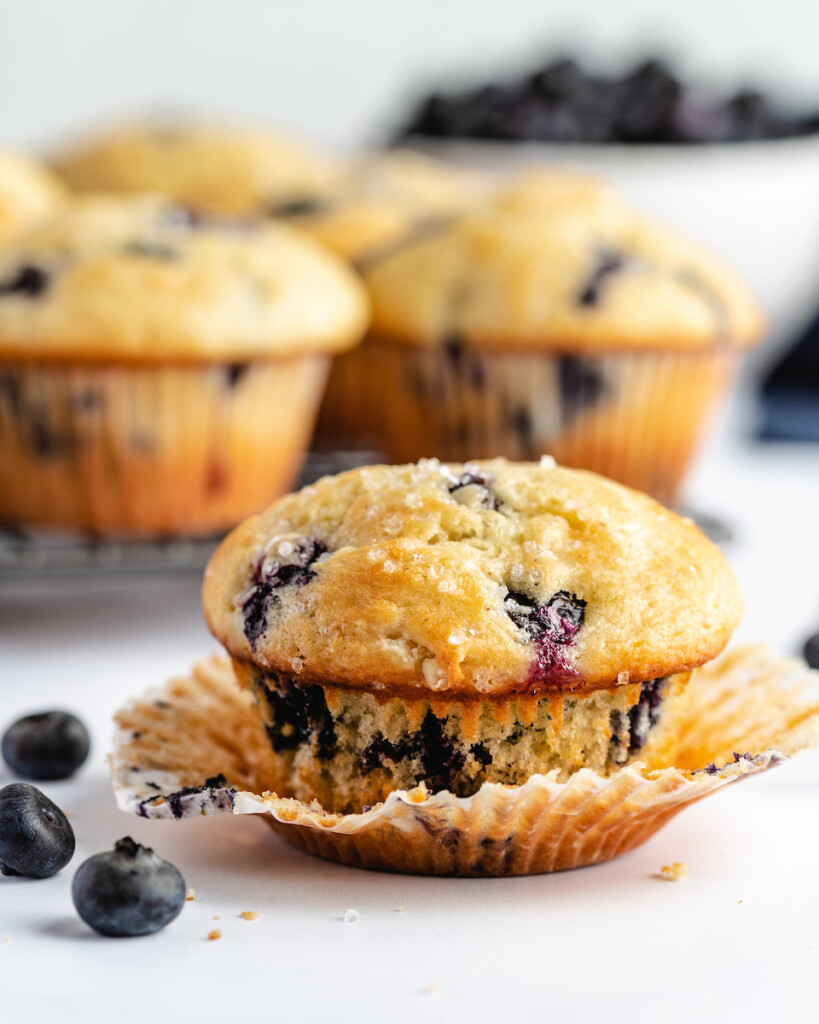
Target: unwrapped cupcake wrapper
[[635, 416], [152, 449], [198, 748]]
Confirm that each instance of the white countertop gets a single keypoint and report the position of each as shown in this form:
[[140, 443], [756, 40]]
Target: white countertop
[[614, 942]]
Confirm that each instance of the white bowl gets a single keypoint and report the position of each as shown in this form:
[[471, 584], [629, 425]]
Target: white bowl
[[755, 203]]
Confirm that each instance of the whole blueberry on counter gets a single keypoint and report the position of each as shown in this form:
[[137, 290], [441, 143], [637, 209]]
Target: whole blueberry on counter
[[127, 891], [811, 650], [46, 746], [36, 839]]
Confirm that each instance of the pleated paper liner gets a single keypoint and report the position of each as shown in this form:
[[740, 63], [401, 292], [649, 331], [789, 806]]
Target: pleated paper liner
[[152, 450], [197, 747], [636, 416]]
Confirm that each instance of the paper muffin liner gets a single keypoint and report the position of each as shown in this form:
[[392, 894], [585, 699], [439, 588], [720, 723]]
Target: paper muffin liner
[[197, 747], [634, 416], [140, 450]]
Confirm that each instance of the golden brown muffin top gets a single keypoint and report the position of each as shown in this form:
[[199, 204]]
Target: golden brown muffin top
[[555, 260], [29, 193], [141, 279], [378, 198], [220, 169], [480, 580]]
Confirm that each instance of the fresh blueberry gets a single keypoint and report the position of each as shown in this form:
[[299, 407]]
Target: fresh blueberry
[[811, 650], [127, 891], [50, 745], [29, 280], [36, 839]]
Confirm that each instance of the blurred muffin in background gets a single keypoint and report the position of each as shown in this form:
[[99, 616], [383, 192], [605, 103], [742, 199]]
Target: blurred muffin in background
[[159, 371], [550, 319], [379, 198], [29, 193], [215, 168]]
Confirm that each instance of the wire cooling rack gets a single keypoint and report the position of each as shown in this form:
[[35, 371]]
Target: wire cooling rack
[[26, 553], [30, 553]]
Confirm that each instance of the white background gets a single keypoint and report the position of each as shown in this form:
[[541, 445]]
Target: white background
[[740, 937], [338, 69]]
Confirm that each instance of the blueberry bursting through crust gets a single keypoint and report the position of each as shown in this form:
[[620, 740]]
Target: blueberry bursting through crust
[[269, 576], [551, 628]]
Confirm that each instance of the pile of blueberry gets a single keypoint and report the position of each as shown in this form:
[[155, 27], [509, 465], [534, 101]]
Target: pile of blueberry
[[123, 892], [561, 102]]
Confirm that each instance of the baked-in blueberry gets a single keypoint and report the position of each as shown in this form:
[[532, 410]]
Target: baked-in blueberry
[[472, 477], [127, 891], [48, 745], [300, 206], [36, 839], [550, 627], [581, 383], [292, 569], [607, 264], [152, 251], [29, 281]]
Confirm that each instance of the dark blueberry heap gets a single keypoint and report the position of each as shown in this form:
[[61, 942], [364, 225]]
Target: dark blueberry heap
[[299, 714], [607, 265], [49, 745], [270, 576], [435, 758], [473, 478], [127, 891], [561, 102], [36, 839], [551, 627], [29, 281]]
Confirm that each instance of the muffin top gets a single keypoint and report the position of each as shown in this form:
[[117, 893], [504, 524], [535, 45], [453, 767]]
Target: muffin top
[[556, 260], [207, 166], [28, 193], [138, 278], [380, 197], [481, 580]]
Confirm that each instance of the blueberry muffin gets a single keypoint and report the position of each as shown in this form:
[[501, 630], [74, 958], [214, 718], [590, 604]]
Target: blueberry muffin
[[379, 198], [548, 319], [160, 371], [211, 167], [29, 193], [455, 625]]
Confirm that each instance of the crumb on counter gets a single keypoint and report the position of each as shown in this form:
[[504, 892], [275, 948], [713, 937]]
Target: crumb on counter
[[675, 872], [214, 935], [190, 895], [350, 916], [400, 910], [216, 917], [249, 915], [433, 989]]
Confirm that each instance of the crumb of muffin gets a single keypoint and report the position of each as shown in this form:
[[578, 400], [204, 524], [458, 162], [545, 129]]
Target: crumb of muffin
[[190, 895], [433, 989], [675, 872], [350, 916], [400, 910], [249, 915], [214, 935]]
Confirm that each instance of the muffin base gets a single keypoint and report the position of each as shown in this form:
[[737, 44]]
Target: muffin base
[[349, 749], [197, 747], [636, 417], [147, 450]]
